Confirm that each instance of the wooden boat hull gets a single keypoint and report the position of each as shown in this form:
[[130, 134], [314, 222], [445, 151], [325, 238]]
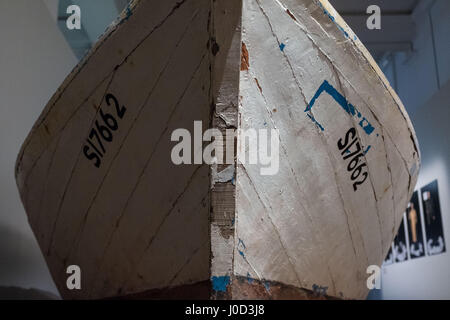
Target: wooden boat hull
[[101, 191]]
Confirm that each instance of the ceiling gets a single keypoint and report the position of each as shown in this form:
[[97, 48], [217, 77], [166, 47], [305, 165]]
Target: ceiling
[[396, 33], [96, 17], [397, 26]]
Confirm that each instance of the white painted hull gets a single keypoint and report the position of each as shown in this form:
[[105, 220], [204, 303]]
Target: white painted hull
[[134, 221]]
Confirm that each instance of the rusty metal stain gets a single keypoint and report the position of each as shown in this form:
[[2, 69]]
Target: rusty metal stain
[[245, 61]]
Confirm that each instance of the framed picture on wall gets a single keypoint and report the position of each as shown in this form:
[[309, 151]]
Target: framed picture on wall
[[414, 226], [400, 246], [434, 232], [389, 258]]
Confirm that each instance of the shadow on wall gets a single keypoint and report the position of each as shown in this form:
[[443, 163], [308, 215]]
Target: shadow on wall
[[96, 16], [19, 256], [14, 293]]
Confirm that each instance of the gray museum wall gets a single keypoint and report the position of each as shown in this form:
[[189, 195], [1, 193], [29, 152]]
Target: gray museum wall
[[34, 60], [422, 80]]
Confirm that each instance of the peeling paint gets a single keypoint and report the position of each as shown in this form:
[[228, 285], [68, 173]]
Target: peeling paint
[[220, 283], [128, 12], [319, 290], [223, 176], [315, 122], [245, 62], [259, 87], [332, 18], [291, 15], [240, 242], [215, 47], [228, 122], [249, 278]]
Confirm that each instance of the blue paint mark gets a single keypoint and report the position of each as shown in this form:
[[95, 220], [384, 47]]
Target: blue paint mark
[[315, 121], [267, 285], [342, 101], [365, 124], [319, 290], [220, 283], [367, 150], [325, 11], [249, 278], [342, 29], [355, 37], [232, 221], [241, 242], [329, 15], [233, 182], [128, 13], [282, 46]]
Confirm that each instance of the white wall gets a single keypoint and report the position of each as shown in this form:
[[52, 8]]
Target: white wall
[[423, 83], [440, 20], [428, 277], [52, 6], [34, 60], [96, 15]]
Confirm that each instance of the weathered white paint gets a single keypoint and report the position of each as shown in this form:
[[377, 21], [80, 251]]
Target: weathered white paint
[[306, 226], [138, 222]]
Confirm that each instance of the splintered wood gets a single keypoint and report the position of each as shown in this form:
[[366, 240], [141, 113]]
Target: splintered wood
[[102, 192]]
